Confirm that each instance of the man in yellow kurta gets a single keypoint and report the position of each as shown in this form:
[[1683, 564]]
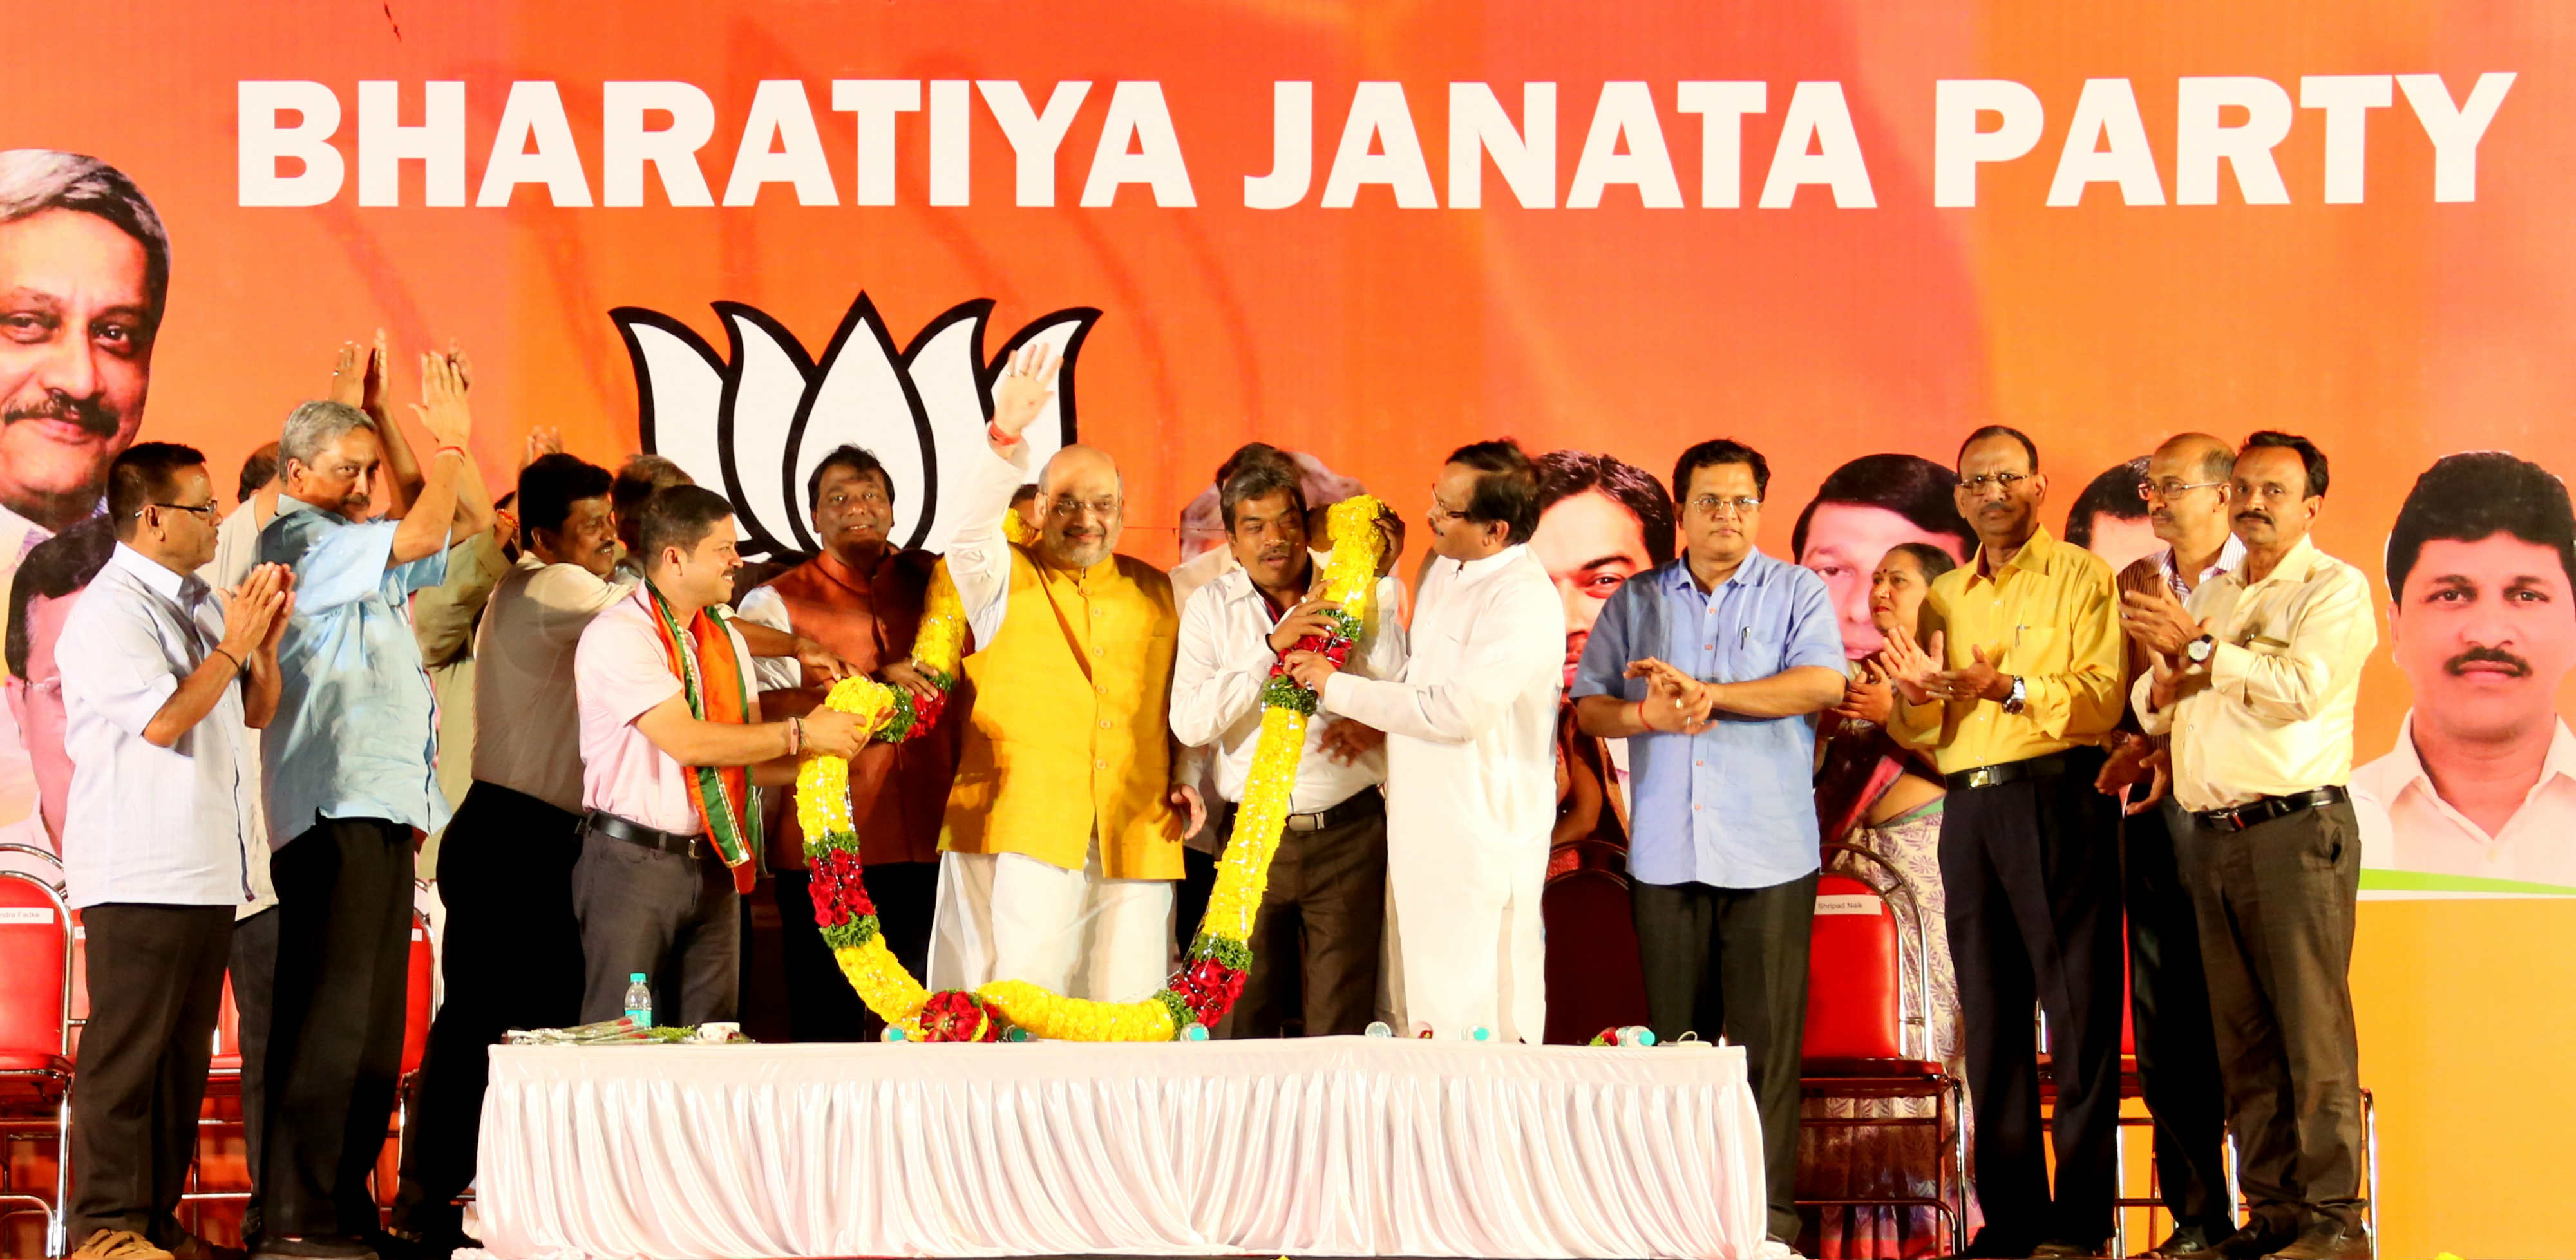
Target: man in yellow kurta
[[1063, 831]]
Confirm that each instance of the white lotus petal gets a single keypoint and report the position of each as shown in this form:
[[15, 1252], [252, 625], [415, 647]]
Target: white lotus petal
[[680, 388], [945, 376], [770, 383], [859, 398]]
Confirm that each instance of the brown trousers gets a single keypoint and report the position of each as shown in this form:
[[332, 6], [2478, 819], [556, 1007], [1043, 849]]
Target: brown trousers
[[2276, 919], [1317, 937]]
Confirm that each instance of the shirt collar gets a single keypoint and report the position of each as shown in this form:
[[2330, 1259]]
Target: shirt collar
[[1471, 572], [1236, 582], [2230, 555], [1756, 570], [2560, 763], [2033, 557], [184, 590], [2303, 556]]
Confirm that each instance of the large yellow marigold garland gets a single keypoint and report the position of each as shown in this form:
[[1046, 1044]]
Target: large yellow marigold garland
[[1211, 972]]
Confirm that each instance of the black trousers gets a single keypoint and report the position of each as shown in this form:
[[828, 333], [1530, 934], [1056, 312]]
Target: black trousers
[[2276, 904], [674, 918], [2169, 1011], [1733, 962], [2030, 870], [821, 1005], [156, 985], [512, 959], [1317, 938], [253, 967], [335, 1047]]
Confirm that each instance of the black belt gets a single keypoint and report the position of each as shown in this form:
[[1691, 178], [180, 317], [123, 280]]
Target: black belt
[[2263, 809], [1364, 803], [2005, 772], [608, 824]]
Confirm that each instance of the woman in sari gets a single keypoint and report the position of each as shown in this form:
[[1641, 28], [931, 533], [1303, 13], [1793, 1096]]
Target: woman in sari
[[1874, 795]]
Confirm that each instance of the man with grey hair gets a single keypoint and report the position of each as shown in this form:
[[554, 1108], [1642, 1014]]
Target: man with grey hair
[[351, 788], [1063, 831]]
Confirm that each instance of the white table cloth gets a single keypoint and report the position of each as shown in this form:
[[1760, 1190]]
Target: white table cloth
[[1325, 1146]]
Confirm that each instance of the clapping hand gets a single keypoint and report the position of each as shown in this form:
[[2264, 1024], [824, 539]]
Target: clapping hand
[[252, 613], [1909, 667], [2158, 620], [1871, 697], [1674, 701], [1976, 680], [442, 408], [542, 442]]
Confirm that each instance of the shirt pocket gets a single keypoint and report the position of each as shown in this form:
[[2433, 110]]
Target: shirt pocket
[[2034, 650]]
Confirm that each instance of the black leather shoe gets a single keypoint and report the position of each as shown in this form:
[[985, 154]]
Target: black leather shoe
[[2257, 1240], [2187, 1242], [1993, 1244], [2070, 1250], [2328, 1240]]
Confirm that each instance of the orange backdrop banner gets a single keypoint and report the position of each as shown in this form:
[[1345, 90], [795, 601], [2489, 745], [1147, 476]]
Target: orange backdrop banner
[[1844, 233]]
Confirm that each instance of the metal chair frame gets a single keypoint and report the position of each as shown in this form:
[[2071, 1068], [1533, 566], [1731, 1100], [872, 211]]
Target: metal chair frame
[[1947, 1092], [56, 1212]]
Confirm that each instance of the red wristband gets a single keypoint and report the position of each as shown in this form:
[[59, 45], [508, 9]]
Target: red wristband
[[1641, 716], [993, 433]]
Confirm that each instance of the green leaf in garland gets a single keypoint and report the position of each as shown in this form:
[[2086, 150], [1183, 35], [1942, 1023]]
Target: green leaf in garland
[[1282, 692], [1182, 1015], [1234, 955], [853, 934]]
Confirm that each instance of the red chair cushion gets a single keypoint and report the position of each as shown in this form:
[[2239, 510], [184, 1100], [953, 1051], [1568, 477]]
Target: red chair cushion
[[1853, 998]]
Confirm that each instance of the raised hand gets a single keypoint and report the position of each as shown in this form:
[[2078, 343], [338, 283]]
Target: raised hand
[[541, 443], [442, 408], [375, 384], [1909, 667], [346, 389], [1307, 619], [464, 366], [1027, 381]]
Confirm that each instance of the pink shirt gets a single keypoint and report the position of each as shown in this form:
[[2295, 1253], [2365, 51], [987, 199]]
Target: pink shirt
[[620, 672]]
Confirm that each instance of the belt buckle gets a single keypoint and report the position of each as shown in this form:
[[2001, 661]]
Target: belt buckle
[[696, 848], [1306, 822], [1983, 777]]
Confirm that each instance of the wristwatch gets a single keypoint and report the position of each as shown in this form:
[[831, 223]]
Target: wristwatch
[[2199, 649], [2019, 698]]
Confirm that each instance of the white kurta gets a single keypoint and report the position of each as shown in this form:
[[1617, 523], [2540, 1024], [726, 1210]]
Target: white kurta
[[1470, 793]]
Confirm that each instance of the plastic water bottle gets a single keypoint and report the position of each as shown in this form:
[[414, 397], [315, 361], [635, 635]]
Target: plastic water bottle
[[639, 1000]]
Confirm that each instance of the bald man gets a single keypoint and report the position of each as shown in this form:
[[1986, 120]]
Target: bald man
[[2186, 490], [1063, 833]]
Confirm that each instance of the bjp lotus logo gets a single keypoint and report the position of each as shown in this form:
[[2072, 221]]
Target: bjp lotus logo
[[755, 426]]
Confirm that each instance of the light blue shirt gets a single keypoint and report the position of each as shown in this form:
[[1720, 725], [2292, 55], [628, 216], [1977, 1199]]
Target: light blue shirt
[[1733, 806], [355, 734]]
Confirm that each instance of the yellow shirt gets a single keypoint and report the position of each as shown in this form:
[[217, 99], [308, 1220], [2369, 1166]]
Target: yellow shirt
[[2050, 617], [2276, 717]]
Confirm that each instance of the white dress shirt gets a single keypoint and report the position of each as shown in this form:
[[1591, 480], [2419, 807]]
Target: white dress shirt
[[2276, 717], [2407, 826], [979, 553], [622, 672], [1470, 793], [145, 824], [1224, 661], [529, 728]]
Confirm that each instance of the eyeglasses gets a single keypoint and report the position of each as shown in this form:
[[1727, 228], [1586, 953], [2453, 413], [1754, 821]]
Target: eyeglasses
[[2151, 491], [1440, 512], [1710, 504], [1069, 507], [1983, 482], [205, 511]]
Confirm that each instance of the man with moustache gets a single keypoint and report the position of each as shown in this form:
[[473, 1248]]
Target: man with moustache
[[2017, 685], [1600, 522], [1316, 936], [1469, 728], [863, 599], [2482, 780], [2185, 489], [2254, 678], [351, 784], [512, 955], [1063, 830], [162, 684], [1709, 666]]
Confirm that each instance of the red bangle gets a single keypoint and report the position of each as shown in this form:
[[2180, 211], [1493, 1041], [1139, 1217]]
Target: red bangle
[[1641, 715], [993, 433]]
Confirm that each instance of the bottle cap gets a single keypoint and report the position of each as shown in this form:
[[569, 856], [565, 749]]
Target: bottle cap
[[635, 978]]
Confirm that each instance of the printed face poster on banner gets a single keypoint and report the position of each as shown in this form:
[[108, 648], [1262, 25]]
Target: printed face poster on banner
[[1847, 235]]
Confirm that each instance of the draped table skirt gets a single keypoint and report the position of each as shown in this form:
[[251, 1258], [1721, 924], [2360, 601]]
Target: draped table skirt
[[1340, 1146]]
